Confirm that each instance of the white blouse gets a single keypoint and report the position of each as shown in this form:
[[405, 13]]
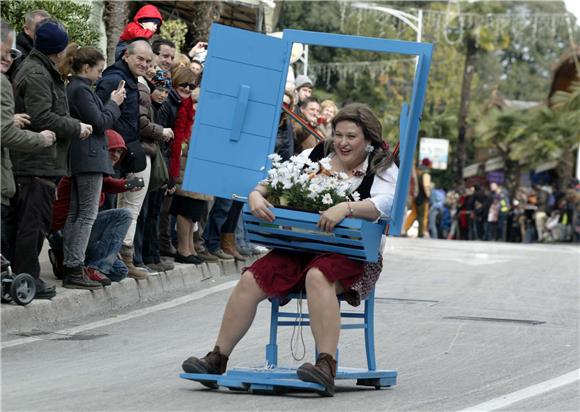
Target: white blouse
[[382, 189]]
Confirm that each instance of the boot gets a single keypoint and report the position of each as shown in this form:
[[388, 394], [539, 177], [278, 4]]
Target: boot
[[76, 278], [228, 245], [213, 363], [322, 373], [127, 258]]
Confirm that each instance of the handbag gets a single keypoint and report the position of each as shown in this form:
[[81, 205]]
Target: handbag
[[159, 172], [134, 160]]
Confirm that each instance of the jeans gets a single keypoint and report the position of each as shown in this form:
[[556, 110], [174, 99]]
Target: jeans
[[433, 228], [217, 217], [150, 251], [83, 209], [134, 200], [105, 242], [28, 221]]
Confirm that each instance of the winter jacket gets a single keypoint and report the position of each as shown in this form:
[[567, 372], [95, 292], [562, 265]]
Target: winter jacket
[[285, 139], [133, 30], [166, 116], [12, 138], [128, 124], [150, 132], [40, 92], [90, 155], [25, 44]]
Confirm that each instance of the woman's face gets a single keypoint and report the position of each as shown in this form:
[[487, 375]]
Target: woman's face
[[93, 73], [184, 89], [328, 113], [159, 95], [349, 143]]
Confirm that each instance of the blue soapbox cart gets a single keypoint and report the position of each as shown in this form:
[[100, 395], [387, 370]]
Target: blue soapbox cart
[[235, 131]]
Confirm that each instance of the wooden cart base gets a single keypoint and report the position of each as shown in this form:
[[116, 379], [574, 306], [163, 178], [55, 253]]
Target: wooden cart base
[[281, 380]]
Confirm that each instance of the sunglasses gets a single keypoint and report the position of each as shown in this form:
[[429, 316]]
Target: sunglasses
[[186, 85], [15, 54]]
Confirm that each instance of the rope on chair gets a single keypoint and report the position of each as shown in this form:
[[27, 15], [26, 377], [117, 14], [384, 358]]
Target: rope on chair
[[298, 335]]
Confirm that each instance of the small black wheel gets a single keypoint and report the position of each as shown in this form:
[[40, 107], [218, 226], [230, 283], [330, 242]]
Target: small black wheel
[[23, 289]]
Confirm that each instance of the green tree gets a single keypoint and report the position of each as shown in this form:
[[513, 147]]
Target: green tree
[[75, 16]]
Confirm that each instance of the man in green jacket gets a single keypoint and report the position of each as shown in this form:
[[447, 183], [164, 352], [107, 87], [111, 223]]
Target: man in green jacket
[[13, 137], [40, 92]]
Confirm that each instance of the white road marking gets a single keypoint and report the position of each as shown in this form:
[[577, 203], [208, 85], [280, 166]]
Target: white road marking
[[131, 315], [526, 393]]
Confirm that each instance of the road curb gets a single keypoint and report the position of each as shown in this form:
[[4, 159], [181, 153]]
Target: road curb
[[74, 304]]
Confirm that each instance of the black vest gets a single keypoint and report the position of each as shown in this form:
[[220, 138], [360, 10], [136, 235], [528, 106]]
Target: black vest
[[364, 189]]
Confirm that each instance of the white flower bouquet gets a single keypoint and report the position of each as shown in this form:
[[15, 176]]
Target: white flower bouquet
[[302, 184]]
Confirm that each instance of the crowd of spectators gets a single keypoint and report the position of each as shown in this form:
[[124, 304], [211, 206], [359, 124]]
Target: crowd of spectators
[[533, 214], [93, 159]]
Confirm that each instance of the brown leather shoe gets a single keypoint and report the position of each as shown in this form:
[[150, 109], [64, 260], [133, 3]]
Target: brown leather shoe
[[322, 373], [228, 245], [214, 363]]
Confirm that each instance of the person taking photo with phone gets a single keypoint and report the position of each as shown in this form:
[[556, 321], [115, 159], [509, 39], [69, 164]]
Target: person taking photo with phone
[[89, 159]]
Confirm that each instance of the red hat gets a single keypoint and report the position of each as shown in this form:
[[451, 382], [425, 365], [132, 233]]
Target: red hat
[[426, 162], [115, 140]]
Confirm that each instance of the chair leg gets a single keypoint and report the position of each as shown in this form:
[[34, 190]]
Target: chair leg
[[370, 331], [272, 346]]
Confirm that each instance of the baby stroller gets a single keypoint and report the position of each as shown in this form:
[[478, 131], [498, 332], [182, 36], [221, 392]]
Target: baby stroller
[[19, 288]]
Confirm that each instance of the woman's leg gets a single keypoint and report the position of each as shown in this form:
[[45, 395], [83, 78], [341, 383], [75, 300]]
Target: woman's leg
[[184, 229], [240, 312], [324, 310]]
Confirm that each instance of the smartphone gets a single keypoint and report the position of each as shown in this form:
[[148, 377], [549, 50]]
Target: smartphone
[[121, 85], [134, 182]]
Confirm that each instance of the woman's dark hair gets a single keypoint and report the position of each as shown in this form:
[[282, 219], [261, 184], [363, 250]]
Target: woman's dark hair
[[76, 57], [361, 115]]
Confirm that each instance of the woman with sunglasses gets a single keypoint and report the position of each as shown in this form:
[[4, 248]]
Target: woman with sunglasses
[[188, 207]]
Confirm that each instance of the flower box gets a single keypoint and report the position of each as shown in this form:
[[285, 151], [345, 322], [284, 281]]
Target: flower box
[[355, 238]]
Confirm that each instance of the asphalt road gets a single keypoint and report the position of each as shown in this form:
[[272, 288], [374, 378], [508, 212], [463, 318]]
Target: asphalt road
[[445, 361]]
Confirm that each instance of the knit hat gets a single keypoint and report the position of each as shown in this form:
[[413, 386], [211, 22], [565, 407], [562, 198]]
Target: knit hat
[[426, 162], [302, 81], [51, 37], [161, 80], [115, 140]]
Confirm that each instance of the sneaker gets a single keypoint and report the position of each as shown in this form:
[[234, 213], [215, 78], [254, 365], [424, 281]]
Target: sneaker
[[322, 373], [206, 256], [214, 363], [146, 269], [259, 250], [95, 275], [222, 255], [76, 278], [45, 292]]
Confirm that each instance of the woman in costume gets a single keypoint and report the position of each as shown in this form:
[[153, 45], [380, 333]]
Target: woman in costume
[[357, 149]]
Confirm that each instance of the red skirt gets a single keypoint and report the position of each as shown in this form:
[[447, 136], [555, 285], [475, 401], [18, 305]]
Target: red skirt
[[282, 271]]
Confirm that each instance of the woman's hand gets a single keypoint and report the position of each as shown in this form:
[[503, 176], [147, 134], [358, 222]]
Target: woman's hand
[[332, 217], [260, 207]]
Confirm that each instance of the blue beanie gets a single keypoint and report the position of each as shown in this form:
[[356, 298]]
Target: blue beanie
[[51, 38]]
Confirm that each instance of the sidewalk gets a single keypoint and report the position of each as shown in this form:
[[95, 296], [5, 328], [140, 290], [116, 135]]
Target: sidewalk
[[76, 304]]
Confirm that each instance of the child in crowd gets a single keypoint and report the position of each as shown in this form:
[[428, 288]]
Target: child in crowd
[[144, 25]]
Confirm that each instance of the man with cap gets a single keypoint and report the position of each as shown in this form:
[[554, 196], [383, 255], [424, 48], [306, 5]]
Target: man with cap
[[303, 88], [40, 92]]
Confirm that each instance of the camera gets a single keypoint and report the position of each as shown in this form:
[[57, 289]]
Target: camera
[[134, 182]]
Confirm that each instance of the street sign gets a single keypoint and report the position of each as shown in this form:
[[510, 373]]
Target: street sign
[[436, 150]]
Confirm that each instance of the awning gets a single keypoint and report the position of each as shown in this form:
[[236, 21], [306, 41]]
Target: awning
[[495, 163], [546, 166], [470, 170]]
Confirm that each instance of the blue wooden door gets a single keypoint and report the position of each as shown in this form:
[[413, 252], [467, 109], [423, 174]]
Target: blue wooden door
[[238, 112]]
